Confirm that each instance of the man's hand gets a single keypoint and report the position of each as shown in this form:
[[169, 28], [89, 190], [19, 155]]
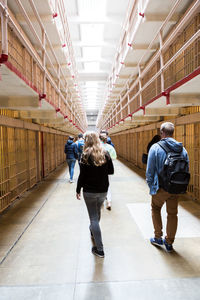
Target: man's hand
[[78, 196]]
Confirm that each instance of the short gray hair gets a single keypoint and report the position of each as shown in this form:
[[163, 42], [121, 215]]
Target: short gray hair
[[167, 128]]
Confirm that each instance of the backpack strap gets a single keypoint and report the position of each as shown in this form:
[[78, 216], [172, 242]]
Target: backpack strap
[[164, 146]]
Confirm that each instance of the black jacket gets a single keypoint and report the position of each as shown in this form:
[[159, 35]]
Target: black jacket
[[94, 179], [71, 150]]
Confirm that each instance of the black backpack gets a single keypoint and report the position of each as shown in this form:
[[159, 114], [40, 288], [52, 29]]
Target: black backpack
[[174, 177]]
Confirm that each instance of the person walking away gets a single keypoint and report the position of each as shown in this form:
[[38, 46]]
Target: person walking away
[[108, 138], [113, 155], [167, 175], [154, 140], [71, 152], [95, 166], [80, 145]]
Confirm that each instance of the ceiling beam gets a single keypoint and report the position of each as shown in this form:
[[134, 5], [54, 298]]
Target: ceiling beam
[[87, 76], [108, 44], [101, 60], [112, 19]]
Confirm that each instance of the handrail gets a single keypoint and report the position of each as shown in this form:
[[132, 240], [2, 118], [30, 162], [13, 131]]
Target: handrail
[[4, 22], [31, 50], [164, 46], [172, 35], [43, 48], [183, 48]]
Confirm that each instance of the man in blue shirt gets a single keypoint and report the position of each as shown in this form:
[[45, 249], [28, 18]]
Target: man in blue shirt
[[80, 145], [155, 163]]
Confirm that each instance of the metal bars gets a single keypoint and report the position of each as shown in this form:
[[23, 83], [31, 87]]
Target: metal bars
[[21, 160], [162, 71]]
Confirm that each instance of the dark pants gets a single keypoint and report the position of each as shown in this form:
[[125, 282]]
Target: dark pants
[[94, 202]]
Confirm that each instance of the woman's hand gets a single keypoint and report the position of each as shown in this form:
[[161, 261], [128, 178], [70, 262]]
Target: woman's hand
[[78, 196]]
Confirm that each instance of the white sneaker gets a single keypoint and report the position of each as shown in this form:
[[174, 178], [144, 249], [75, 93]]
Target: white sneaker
[[71, 180], [108, 207]]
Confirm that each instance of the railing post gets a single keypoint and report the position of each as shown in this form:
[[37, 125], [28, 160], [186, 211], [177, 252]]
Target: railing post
[[120, 103], [128, 104], [140, 85], [161, 62], [4, 31], [59, 104], [44, 61]]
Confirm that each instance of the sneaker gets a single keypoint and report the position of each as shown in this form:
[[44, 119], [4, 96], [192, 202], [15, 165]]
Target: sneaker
[[98, 253], [169, 247], [71, 180], [156, 242]]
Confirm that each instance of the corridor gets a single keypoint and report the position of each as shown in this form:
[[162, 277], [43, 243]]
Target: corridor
[[45, 245]]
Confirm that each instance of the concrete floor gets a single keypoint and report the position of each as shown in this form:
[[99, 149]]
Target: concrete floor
[[45, 246]]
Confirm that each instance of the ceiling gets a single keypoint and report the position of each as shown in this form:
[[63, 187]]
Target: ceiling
[[95, 28]]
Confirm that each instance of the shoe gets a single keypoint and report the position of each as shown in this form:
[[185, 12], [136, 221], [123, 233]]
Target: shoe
[[71, 180], [108, 207], [169, 247], [97, 252], [156, 242]]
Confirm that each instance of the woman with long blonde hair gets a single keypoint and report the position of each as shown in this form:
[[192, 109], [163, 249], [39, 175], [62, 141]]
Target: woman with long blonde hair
[[95, 166]]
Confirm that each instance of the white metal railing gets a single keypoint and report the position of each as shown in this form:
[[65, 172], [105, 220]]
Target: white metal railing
[[42, 42], [163, 46], [4, 21]]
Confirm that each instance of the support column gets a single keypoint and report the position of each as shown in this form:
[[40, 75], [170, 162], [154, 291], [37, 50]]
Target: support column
[[161, 62], [128, 104], [140, 86], [4, 31], [44, 61], [120, 103]]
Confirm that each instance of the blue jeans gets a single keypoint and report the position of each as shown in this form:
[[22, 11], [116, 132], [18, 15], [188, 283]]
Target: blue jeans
[[94, 202], [71, 163]]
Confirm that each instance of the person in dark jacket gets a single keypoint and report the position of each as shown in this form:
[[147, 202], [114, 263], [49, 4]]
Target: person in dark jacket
[[71, 152], [154, 140], [96, 164]]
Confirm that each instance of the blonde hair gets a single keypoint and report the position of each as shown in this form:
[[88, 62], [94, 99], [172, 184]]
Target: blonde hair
[[93, 149]]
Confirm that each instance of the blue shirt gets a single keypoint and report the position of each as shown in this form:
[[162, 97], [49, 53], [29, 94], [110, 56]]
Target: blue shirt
[[155, 162]]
